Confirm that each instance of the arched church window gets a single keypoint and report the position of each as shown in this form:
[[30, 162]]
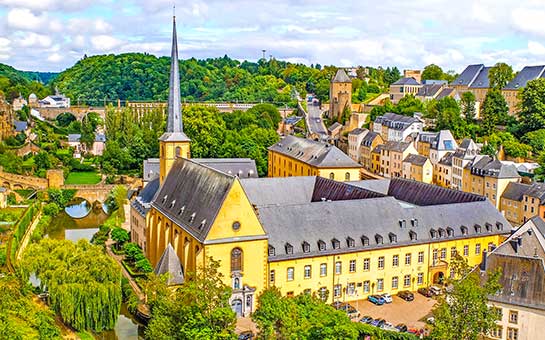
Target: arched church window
[[236, 260]]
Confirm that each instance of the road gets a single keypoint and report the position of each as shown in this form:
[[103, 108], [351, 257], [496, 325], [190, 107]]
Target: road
[[315, 122]]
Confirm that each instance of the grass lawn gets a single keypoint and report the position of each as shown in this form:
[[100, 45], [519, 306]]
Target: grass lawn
[[82, 178]]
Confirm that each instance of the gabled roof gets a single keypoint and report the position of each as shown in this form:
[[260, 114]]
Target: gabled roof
[[446, 92], [483, 165], [396, 146], [369, 138], [468, 76], [192, 195], [169, 263], [151, 168], [318, 154], [341, 77], [406, 81], [416, 159], [334, 126], [524, 76], [396, 121], [447, 159], [142, 202], [482, 81], [429, 90], [515, 191], [358, 131], [240, 167], [444, 141]]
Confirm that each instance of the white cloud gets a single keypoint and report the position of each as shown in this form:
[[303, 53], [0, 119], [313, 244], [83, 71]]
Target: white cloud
[[55, 58], [529, 20], [24, 19], [105, 43], [34, 40], [536, 48]]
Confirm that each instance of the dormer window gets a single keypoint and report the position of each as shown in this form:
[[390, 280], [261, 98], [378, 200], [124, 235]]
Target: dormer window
[[181, 210], [433, 233], [412, 235], [321, 245], [172, 204], [464, 230], [350, 242], [289, 249], [499, 225], [414, 222], [306, 247], [272, 251], [450, 232], [203, 223], [441, 232], [365, 241], [488, 227], [477, 229], [402, 223], [392, 237], [378, 239], [165, 198], [336, 244], [192, 218]]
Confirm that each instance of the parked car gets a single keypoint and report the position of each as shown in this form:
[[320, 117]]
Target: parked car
[[377, 322], [389, 327], [387, 298], [338, 304], [246, 335], [406, 295], [436, 290], [376, 299], [425, 291], [366, 319], [431, 320], [402, 327], [350, 311]]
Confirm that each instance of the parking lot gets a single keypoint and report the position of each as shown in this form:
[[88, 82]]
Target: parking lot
[[399, 311]]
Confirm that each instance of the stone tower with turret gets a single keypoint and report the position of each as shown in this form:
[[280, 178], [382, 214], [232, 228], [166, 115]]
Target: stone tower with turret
[[340, 95], [173, 143]]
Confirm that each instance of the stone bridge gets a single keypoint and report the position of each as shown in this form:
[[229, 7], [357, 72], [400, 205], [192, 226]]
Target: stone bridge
[[91, 192], [51, 113], [14, 182]]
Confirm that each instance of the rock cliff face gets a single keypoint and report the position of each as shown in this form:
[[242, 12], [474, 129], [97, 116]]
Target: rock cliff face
[[6, 119]]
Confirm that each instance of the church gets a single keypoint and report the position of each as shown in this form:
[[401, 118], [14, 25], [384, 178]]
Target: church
[[303, 234]]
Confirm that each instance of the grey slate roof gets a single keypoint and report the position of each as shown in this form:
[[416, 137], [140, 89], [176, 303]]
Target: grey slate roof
[[20, 126], [515, 191], [416, 159], [406, 81], [74, 137], [395, 121], [369, 138], [396, 146], [192, 195], [241, 167], [321, 155], [376, 185], [100, 137], [482, 81], [468, 76], [358, 131], [427, 137], [334, 126], [278, 190], [488, 166], [537, 190], [429, 90], [446, 92], [447, 159], [151, 168], [341, 77], [367, 218], [169, 263], [524, 76], [142, 202]]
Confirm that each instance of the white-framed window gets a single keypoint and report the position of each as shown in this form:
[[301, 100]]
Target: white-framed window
[[323, 269], [308, 271], [477, 249], [420, 278], [337, 290], [366, 264], [351, 288], [352, 266], [366, 286], [513, 316], [408, 259], [407, 280], [512, 333], [395, 260], [420, 257], [394, 282], [380, 285], [338, 267], [443, 253], [290, 273], [466, 250], [381, 262]]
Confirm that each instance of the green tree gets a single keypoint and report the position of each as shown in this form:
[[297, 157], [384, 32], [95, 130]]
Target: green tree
[[494, 111], [433, 72], [198, 309], [84, 284], [408, 105], [120, 236], [499, 75], [536, 139], [532, 106], [463, 313], [467, 104]]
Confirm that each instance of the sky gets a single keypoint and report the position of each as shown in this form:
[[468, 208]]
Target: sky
[[51, 35]]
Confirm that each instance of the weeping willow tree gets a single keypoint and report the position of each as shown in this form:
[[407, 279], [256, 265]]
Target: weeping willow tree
[[83, 283]]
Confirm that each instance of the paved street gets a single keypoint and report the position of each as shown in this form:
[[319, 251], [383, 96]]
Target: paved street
[[316, 124]]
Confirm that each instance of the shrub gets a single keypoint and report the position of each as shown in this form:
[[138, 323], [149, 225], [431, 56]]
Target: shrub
[[51, 209], [144, 265]]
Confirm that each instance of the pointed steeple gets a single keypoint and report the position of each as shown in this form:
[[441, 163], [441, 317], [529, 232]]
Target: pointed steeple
[[174, 130]]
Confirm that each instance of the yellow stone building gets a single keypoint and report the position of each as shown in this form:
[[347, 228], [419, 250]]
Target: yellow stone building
[[418, 168], [368, 144], [6, 119], [294, 156], [391, 157]]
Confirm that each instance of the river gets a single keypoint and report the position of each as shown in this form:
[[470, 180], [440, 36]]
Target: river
[[79, 221]]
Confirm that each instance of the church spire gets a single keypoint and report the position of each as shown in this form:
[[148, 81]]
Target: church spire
[[175, 130]]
